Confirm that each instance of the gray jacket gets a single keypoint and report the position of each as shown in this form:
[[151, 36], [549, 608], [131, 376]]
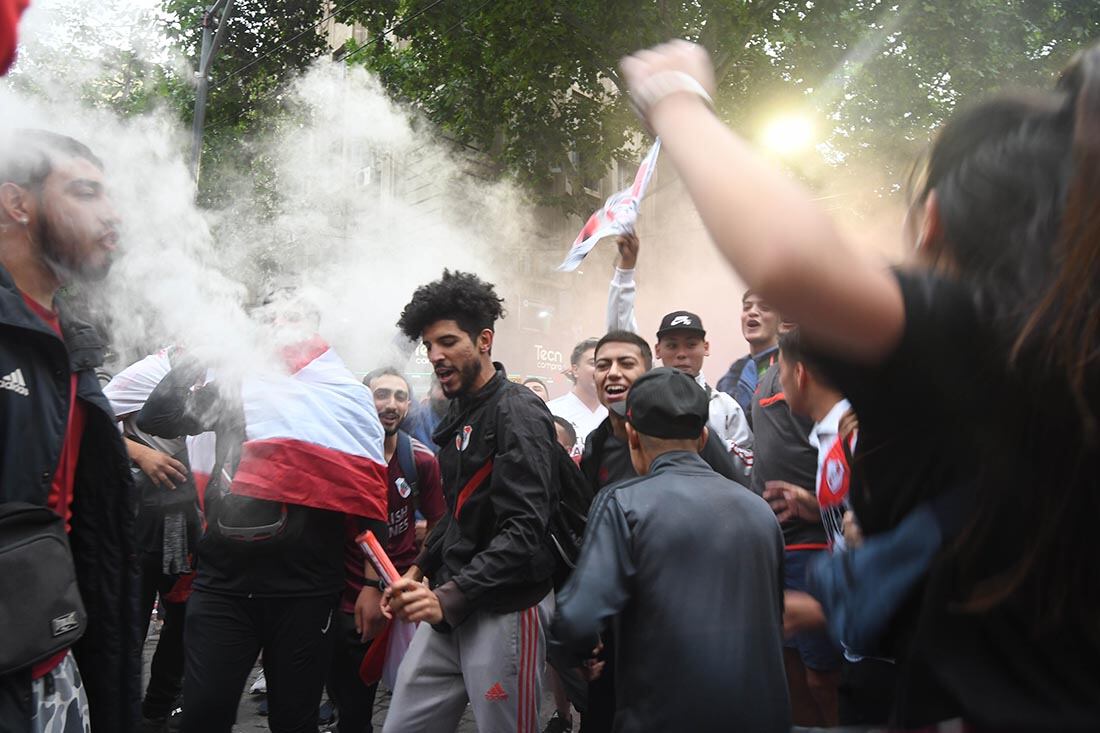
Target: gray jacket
[[688, 566]]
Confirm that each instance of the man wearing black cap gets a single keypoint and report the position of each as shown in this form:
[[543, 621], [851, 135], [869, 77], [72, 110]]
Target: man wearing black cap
[[622, 358], [692, 627], [681, 344]]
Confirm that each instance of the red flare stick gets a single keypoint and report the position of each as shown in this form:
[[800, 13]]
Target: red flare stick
[[378, 557]]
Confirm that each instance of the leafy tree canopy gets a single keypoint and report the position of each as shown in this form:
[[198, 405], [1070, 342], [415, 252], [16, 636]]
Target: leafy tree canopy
[[536, 85]]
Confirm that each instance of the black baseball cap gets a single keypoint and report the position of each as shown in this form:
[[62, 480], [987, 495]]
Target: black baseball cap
[[665, 403], [681, 321]]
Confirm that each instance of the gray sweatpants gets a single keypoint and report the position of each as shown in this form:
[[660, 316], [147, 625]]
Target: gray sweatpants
[[494, 661]]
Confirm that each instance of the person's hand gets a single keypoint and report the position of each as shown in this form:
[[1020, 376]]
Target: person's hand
[[411, 601], [789, 501], [853, 533], [628, 250], [676, 56], [161, 468], [849, 422], [801, 612], [414, 573], [421, 531], [593, 667], [369, 619]]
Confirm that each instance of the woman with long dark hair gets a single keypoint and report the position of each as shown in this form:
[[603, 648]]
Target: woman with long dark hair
[[975, 370]]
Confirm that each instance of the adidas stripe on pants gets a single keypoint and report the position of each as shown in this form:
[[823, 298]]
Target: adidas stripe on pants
[[495, 661]]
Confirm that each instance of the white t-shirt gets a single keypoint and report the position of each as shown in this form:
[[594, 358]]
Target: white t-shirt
[[584, 421], [129, 389]]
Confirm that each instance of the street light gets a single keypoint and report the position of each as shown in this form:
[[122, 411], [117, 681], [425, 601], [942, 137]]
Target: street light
[[788, 134]]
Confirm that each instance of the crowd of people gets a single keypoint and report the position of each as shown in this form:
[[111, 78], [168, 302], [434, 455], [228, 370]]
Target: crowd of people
[[877, 519]]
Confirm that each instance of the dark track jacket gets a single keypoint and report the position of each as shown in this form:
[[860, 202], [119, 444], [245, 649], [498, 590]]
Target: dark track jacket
[[497, 460], [687, 567], [32, 430]]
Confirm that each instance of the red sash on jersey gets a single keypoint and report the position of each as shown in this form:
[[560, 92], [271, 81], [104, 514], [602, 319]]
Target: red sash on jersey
[[836, 475], [832, 489]]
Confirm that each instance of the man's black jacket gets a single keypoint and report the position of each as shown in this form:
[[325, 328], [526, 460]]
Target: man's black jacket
[[687, 567], [714, 453], [32, 430], [498, 463], [601, 469]]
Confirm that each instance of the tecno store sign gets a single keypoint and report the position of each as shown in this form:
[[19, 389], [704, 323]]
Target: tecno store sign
[[548, 359]]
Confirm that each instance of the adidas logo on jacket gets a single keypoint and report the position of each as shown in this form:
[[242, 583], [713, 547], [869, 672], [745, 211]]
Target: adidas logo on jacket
[[15, 383]]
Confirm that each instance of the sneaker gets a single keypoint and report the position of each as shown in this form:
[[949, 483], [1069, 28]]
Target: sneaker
[[259, 687], [175, 717], [558, 724]]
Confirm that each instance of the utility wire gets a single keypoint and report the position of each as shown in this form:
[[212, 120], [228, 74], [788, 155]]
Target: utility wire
[[284, 44]]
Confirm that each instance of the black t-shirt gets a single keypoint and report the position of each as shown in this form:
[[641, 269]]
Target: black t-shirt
[[615, 464], [782, 452], [307, 559], [945, 411]]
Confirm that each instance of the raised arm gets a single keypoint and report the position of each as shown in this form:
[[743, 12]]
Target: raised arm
[[622, 291], [779, 241]]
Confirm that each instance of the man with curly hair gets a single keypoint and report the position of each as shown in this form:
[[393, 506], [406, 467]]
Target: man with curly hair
[[488, 560]]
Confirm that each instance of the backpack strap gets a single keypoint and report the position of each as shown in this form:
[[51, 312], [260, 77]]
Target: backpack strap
[[408, 464]]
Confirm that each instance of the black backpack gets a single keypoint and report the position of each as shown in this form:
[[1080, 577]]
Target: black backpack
[[245, 520], [569, 516]]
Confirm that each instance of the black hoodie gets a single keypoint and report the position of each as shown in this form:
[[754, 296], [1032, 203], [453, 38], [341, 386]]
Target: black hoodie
[[497, 460]]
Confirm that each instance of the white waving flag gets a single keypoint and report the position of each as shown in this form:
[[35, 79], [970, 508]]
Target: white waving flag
[[617, 216]]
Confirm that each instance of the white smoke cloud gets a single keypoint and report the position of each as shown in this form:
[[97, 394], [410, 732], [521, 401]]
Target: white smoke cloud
[[367, 206]]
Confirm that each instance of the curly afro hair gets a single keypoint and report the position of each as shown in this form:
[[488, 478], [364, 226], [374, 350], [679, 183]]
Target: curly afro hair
[[459, 296]]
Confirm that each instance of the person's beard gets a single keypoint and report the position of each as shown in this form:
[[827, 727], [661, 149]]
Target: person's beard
[[396, 426], [60, 261], [468, 375]]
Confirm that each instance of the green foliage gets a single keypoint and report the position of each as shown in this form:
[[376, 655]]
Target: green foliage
[[924, 59], [266, 44], [112, 58], [532, 82]]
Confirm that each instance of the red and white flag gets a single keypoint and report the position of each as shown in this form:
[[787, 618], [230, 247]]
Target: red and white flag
[[618, 215], [312, 438]]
